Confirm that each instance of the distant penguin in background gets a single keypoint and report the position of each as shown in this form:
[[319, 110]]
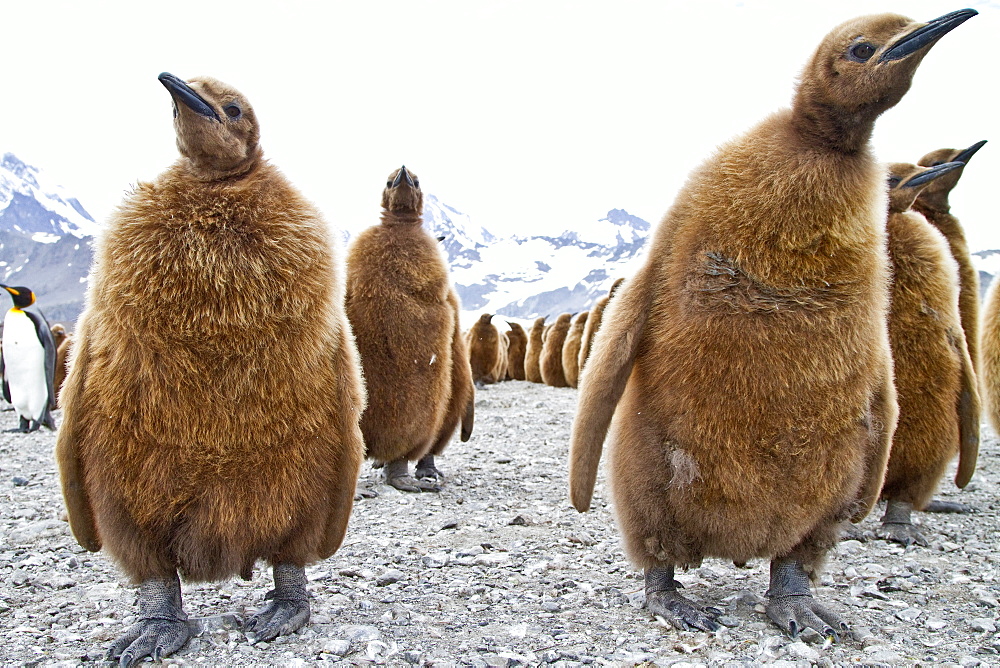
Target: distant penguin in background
[[933, 203], [516, 348], [28, 362], [747, 364], [533, 351], [594, 323], [550, 361], [404, 312], [487, 351], [571, 349], [62, 339], [935, 381]]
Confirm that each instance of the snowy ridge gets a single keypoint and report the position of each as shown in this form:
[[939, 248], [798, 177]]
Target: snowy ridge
[[526, 277], [30, 203]]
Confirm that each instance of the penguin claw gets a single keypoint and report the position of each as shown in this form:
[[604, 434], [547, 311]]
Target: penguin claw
[[680, 612], [428, 473], [795, 612], [278, 618], [155, 638], [407, 483], [903, 533], [939, 506]]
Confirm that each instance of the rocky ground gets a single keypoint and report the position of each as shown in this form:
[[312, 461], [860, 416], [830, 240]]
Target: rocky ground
[[499, 570]]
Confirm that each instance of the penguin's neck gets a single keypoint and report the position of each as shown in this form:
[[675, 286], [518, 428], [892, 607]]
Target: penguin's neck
[[833, 127], [936, 202], [15, 310], [401, 218]]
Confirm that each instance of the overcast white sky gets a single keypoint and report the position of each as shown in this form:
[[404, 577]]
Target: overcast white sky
[[532, 116]]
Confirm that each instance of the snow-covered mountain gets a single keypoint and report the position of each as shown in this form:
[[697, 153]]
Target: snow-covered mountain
[[527, 277], [45, 239], [987, 262]]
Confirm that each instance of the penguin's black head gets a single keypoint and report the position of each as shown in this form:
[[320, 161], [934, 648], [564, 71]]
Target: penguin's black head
[[906, 181], [216, 127], [865, 66], [402, 194], [22, 296], [940, 187]]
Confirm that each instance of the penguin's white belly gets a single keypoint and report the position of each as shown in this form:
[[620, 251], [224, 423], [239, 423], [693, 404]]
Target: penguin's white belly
[[24, 361]]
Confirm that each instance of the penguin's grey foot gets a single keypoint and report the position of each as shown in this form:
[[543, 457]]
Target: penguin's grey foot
[[23, 427], [791, 605], [939, 506], [662, 600], [35, 425], [397, 475], [287, 609], [426, 470], [855, 532], [903, 533], [162, 628], [48, 421], [896, 526]]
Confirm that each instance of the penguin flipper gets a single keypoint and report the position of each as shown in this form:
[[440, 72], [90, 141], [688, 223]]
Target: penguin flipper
[[969, 408], [71, 474], [3, 380], [603, 381], [351, 400], [461, 374], [884, 412]]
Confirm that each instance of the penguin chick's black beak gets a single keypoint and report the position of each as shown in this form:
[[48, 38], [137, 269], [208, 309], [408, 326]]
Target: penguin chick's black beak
[[926, 35], [965, 155], [181, 91], [403, 174], [932, 173]]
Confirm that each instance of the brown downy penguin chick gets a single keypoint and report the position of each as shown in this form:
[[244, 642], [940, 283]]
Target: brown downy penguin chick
[[932, 202], [172, 455], [486, 351], [935, 382], [62, 354], [404, 312], [989, 348], [594, 323], [747, 364], [516, 348], [533, 351], [571, 349], [550, 362]]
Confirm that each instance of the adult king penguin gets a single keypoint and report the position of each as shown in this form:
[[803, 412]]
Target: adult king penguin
[[747, 364], [180, 451], [28, 362]]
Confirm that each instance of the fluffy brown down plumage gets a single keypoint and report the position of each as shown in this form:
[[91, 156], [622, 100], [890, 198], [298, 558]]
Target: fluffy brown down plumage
[[60, 338], [571, 349], [933, 203], [594, 323], [749, 358], [212, 404], [935, 383], [487, 351], [989, 351], [533, 351], [550, 361], [404, 312], [517, 344]]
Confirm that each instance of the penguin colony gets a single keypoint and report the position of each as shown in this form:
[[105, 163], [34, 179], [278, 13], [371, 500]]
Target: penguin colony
[[759, 331], [404, 313], [749, 358], [172, 454]]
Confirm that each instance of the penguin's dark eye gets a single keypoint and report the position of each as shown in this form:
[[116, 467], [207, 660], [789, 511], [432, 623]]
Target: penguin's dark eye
[[388, 184], [861, 52], [893, 182], [233, 111], [416, 183]]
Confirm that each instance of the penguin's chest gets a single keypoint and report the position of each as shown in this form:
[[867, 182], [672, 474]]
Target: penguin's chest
[[24, 361]]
